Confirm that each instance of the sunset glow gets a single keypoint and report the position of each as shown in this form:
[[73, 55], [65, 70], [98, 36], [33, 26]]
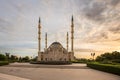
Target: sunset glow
[[96, 22]]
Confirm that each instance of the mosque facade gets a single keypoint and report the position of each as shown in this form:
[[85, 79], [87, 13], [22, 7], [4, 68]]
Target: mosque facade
[[56, 52]]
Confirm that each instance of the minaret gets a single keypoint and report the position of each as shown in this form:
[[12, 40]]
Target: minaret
[[67, 41], [72, 35], [46, 41], [39, 36]]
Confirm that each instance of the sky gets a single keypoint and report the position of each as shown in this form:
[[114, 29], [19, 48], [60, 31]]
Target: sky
[[96, 23]]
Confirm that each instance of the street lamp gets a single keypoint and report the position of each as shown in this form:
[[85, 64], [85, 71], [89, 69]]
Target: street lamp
[[93, 54]]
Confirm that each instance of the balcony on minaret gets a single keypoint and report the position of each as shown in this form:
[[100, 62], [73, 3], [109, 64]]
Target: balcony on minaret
[[39, 32]]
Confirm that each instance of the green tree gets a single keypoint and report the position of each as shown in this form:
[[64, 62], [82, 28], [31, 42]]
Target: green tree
[[13, 58], [109, 57], [2, 57], [25, 59], [7, 55], [34, 59]]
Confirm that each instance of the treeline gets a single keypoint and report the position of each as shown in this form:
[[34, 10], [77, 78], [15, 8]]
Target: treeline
[[113, 57], [13, 58]]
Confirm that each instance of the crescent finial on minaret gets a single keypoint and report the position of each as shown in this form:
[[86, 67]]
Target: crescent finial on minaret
[[72, 18], [39, 20]]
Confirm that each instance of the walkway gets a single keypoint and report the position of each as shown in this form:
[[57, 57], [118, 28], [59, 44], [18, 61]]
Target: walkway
[[56, 72], [10, 77]]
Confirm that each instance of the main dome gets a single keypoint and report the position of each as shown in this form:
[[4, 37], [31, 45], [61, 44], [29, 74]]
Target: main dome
[[56, 45]]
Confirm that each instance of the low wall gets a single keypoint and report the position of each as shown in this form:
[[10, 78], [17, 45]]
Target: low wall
[[52, 62]]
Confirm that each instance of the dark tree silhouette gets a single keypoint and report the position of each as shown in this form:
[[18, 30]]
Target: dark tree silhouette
[[111, 57], [93, 54], [2, 57]]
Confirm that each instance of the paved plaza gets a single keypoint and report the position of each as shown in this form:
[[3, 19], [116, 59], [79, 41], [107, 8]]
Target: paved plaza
[[26, 71]]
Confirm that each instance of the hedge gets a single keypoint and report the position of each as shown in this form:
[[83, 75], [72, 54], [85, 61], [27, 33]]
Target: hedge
[[4, 63], [79, 61], [52, 62], [115, 69]]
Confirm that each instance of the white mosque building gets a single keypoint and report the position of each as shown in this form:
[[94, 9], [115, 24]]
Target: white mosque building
[[56, 52]]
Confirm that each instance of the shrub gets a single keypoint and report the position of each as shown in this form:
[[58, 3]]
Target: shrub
[[4, 63], [115, 69], [53, 62]]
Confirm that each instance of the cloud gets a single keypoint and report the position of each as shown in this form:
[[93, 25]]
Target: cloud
[[115, 2], [99, 21], [118, 39], [115, 29], [94, 20], [85, 50], [94, 11], [4, 25]]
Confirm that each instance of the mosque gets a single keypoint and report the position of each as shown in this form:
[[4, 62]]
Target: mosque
[[56, 52]]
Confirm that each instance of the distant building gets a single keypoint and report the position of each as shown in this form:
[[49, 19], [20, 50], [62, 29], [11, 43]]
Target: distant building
[[55, 52]]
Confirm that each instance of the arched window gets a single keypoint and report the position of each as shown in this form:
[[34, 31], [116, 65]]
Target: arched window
[[60, 59], [59, 50], [65, 59], [69, 57], [41, 57], [50, 59]]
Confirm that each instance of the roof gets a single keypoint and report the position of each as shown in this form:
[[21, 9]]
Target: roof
[[56, 45]]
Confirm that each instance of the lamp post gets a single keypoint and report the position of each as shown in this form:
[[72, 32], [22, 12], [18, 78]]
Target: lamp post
[[93, 54]]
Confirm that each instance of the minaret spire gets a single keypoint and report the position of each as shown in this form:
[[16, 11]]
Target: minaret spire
[[72, 35], [39, 20], [45, 40], [67, 41], [39, 36], [72, 18]]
